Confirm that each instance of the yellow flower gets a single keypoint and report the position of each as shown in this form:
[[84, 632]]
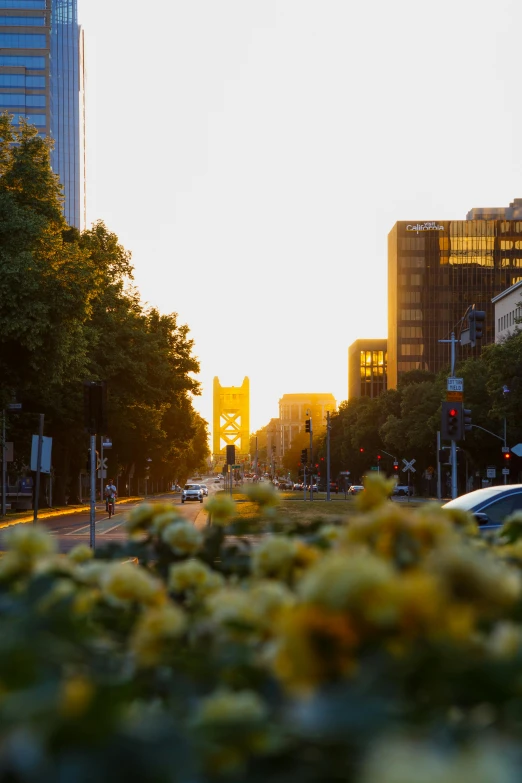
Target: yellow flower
[[314, 646], [274, 557], [377, 490], [221, 509], [76, 696], [124, 583], [11, 566], [30, 542], [156, 628], [85, 600], [193, 575], [140, 518], [233, 607], [267, 600], [164, 519], [228, 708], [339, 581], [183, 538], [81, 553], [61, 589], [331, 534], [403, 760], [263, 494], [91, 572], [505, 640]]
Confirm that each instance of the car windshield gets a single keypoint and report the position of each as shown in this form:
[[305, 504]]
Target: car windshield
[[191, 486], [472, 499]]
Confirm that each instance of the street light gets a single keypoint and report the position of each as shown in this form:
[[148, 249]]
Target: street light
[[505, 392]]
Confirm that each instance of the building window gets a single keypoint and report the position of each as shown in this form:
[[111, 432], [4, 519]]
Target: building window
[[22, 41], [22, 61], [29, 4], [22, 21], [39, 120], [21, 99]]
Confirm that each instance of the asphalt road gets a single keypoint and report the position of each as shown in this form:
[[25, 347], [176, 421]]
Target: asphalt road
[[73, 529]]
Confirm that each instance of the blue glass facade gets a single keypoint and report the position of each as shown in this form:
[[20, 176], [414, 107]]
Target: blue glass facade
[[41, 78]]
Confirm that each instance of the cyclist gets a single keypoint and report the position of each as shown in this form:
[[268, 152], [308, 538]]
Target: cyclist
[[111, 494]]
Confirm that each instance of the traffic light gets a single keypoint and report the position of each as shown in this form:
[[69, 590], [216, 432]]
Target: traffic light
[[304, 456], [476, 320], [95, 407], [231, 455], [308, 425], [396, 467], [452, 421], [507, 456], [467, 419], [361, 450], [379, 457]]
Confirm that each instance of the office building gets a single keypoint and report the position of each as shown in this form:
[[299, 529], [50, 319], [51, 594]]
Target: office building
[[42, 79], [508, 311], [367, 368], [294, 409], [436, 270]]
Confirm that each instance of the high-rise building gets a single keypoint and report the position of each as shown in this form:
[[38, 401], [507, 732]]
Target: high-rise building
[[436, 270], [42, 78], [367, 368]]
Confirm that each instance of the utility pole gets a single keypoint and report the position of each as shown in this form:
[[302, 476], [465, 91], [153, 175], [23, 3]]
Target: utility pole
[[4, 466], [453, 458], [328, 455], [92, 510], [38, 468]]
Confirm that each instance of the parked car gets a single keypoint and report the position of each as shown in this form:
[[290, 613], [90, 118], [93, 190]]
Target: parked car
[[192, 492], [355, 489], [284, 485], [490, 506], [175, 488], [402, 489], [298, 485]]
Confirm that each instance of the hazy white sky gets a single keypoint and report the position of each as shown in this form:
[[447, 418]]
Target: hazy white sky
[[254, 154]]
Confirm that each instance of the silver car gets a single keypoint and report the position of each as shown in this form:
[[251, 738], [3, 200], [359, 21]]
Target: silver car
[[192, 492]]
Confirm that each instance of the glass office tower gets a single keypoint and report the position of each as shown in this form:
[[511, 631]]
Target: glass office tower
[[435, 271], [367, 368], [41, 78]]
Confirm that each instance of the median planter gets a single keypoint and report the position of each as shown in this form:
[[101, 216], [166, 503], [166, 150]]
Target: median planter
[[380, 648]]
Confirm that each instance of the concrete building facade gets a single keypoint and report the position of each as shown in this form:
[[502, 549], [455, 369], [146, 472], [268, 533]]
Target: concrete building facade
[[508, 311], [293, 414]]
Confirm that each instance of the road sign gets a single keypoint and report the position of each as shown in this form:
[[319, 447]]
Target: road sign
[[374, 467], [491, 472], [14, 406], [408, 466], [235, 467], [45, 463], [455, 385], [102, 474], [101, 464], [344, 473], [505, 449], [517, 450], [454, 396], [505, 471], [107, 443]]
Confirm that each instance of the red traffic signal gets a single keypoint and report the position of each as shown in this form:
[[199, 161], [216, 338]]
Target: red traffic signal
[[507, 456], [361, 450], [378, 456]]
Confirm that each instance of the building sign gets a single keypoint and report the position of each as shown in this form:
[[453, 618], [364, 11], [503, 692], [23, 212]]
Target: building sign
[[431, 226]]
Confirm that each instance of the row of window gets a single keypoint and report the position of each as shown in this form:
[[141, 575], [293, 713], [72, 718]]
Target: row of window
[[410, 331], [39, 120], [411, 315], [410, 297], [28, 4], [510, 319], [23, 61], [21, 99], [21, 80], [407, 366], [23, 41], [22, 21], [412, 349], [369, 358]]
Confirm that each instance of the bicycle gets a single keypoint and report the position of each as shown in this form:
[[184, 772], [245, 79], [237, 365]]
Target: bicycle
[[110, 506]]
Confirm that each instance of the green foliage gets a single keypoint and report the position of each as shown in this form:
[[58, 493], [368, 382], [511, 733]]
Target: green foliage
[[68, 312]]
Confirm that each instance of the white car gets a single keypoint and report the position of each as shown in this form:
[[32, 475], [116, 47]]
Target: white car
[[192, 492], [204, 489]]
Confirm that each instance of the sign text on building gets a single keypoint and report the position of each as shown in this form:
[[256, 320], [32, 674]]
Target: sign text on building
[[432, 226]]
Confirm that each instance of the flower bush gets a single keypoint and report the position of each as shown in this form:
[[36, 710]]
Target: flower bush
[[382, 648]]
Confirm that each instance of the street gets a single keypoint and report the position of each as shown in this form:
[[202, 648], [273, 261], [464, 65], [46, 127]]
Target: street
[[72, 529]]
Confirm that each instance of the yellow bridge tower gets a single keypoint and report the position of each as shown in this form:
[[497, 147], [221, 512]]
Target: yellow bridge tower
[[231, 426]]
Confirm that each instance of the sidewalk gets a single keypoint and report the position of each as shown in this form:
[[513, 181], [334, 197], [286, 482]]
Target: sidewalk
[[26, 517]]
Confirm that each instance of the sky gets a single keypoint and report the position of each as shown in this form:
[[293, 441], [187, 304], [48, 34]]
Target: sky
[[254, 154]]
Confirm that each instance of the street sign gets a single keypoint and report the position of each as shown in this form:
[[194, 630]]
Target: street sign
[[101, 464], [107, 443], [491, 472], [454, 396], [102, 474], [505, 449], [14, 406], [517, 450], [235, 467], [455, 385], [45, 463], [505, 471], [374, 467], [344, 473], [408, 466]]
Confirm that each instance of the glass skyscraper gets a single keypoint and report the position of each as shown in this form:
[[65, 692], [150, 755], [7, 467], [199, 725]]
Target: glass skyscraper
[[42, 78], [436, 270]]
